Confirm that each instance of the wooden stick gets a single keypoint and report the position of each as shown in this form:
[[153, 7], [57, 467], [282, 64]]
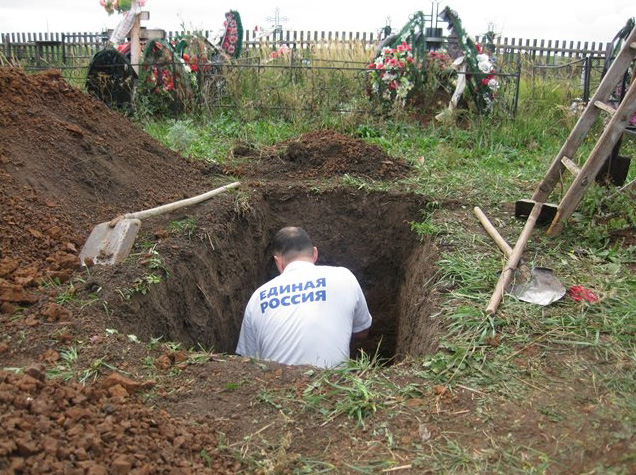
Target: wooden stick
[[490, 229], [513, 260], [178, 204], [135, 44]]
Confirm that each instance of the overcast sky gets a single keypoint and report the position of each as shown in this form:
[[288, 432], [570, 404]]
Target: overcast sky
[[585, 20]]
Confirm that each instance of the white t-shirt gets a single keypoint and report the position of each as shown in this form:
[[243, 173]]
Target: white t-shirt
[[306, 315]]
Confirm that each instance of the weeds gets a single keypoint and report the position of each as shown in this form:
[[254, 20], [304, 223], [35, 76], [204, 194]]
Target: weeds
[[186, 226], [141, 285], [65, 368], [94, 370], [151, 259]]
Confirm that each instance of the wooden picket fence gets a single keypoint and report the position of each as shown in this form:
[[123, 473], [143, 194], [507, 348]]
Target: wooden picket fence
[[60, 48], [546, 52]]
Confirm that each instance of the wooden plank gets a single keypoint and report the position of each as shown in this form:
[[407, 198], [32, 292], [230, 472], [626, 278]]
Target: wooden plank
[[605, 107], [532, 48], [135, 44], [571, 166]]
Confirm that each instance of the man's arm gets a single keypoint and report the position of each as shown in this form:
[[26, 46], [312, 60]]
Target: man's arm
[[361, 317], [247, 344]]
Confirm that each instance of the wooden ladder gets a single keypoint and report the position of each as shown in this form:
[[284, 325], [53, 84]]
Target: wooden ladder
[[613, 131], [584, 176]]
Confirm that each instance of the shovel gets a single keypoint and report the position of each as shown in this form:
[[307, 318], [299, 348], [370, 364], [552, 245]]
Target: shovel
[[110, 242], [542, 287]]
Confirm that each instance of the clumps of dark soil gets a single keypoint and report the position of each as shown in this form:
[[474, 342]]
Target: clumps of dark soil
[[321, 153], [55, 427]]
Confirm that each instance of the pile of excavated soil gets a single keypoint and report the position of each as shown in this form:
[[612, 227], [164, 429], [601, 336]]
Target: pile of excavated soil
[[322, 153], [56, 427], [67, 163]]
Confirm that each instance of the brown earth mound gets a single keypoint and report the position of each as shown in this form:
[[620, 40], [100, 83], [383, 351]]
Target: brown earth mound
[[67, 164], [322, 153]]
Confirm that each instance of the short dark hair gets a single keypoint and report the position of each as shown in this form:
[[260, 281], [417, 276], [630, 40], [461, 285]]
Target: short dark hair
[[291, 242]]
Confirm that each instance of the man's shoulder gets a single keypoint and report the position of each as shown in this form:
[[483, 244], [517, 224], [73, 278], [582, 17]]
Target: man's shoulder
[[336, 271]]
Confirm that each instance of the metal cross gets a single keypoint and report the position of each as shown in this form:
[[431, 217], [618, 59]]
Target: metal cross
[[277, 19]]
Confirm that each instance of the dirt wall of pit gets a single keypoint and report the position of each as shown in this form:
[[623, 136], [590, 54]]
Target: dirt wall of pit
[[214, 270]]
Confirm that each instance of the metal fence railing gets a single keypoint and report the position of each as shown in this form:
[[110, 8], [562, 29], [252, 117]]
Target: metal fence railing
[[578, 78], [251, 85]]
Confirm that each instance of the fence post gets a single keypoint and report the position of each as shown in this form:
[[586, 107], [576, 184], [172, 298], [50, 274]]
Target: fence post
[[586, 78]]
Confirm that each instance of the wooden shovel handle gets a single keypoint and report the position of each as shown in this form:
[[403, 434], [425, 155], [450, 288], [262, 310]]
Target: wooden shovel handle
[[506, 275], [490, 229], [178, 204]]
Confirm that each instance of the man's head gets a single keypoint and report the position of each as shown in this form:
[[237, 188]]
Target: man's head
[[293, 244]]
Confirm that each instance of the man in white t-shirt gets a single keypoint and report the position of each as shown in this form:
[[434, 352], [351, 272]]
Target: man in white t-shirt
[[306, 315]]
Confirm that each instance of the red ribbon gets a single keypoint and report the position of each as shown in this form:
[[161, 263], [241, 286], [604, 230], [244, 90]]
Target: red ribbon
[[580, 294]]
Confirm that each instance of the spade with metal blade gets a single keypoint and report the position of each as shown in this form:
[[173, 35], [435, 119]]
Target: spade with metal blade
[[541, 286], [110, 242]]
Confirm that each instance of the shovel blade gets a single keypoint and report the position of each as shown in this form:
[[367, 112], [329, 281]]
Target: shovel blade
[[543, 288], [108, 244]]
